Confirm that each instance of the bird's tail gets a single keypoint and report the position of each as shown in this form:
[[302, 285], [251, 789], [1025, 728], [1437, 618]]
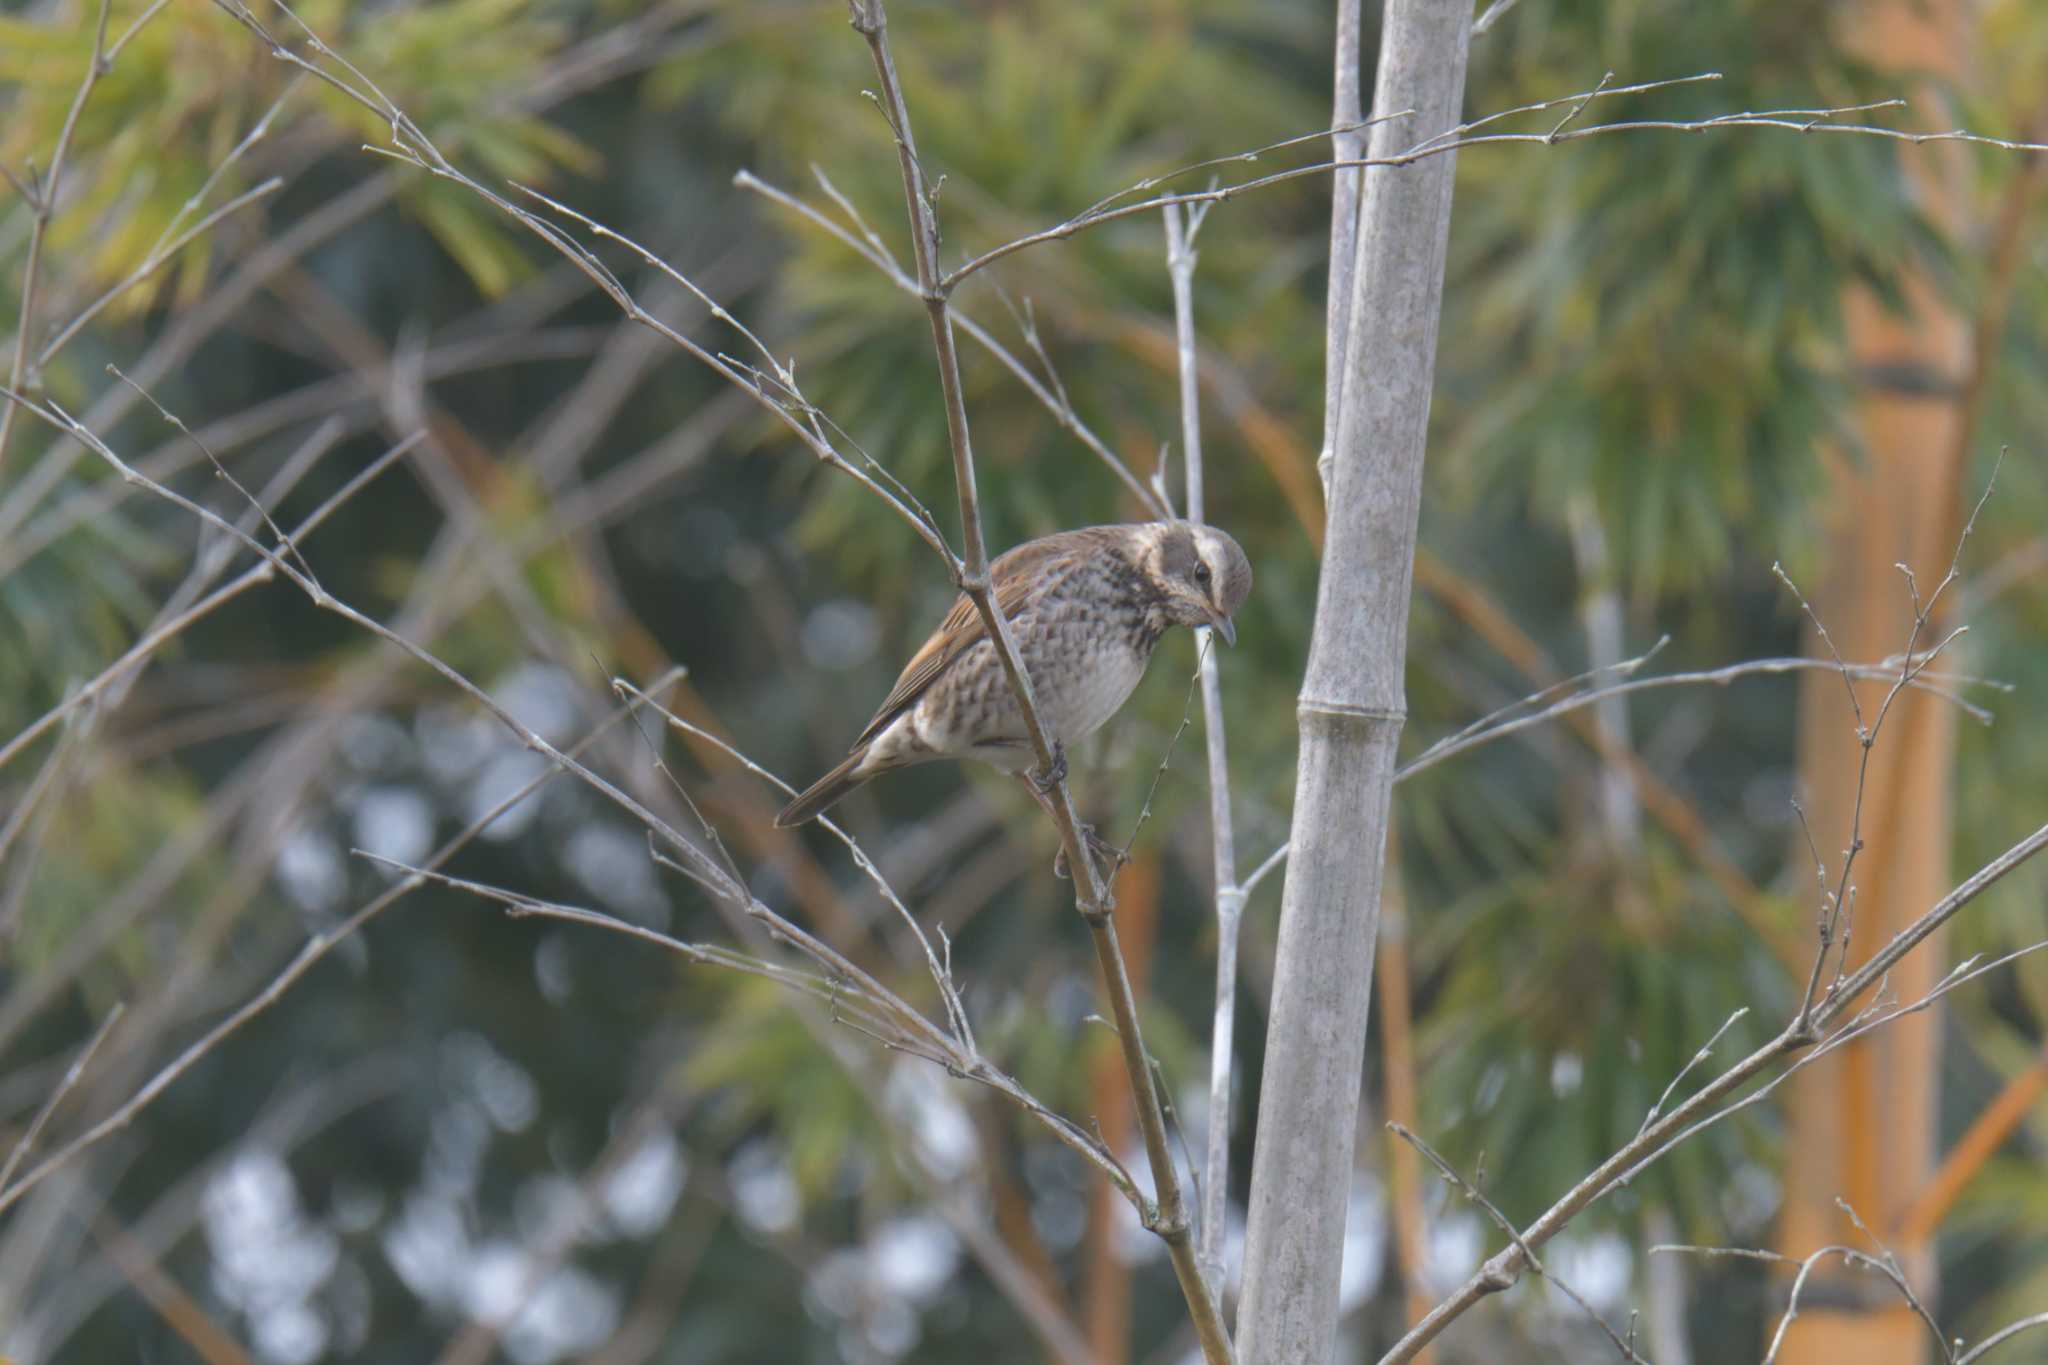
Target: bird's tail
[[825, 792]]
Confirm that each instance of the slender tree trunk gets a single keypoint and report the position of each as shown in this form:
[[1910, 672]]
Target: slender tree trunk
[[1351, 707], [1863, 1122]]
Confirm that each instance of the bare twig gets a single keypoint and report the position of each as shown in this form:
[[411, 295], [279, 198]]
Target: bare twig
[[1531, 711], [64, 1086], [1460, 139], [1879, 1013], [171, 241], [316, 948], [1518, 716], [1347, 144], [1260, 873], [2000, 1337], [870, 249], [285, 543], [1851, 1257], [773, 389], [1889, 1266], [164, 631], [855, 999], [1491, 16], [1230, 897], [1122, 855], [1807, 1035], [1706, 1051], [222, 302], [1835, 904], [1168, 1216], [176, 345], [1715, 1101], [941, 972], [1451, 1177], [1883, 1263], [1337, 128], [43, 206], [155, 261], [110, 689], [439, 595]]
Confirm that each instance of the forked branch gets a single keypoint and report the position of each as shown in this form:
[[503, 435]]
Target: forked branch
[[1820, 1024], [1169, 1217]]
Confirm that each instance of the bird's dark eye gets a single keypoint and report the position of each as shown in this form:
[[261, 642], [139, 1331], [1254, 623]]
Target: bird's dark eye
[[1202, 573]]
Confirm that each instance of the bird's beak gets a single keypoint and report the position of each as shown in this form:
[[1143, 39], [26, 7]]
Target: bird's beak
[[1222, 626]]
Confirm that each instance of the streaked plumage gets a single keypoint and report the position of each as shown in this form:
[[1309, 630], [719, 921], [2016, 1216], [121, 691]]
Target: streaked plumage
[[1086, 608]]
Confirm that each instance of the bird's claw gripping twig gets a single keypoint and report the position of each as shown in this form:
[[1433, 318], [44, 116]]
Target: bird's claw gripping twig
[[1048, 780]]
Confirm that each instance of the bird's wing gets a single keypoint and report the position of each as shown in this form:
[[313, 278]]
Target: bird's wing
[[1020, 577]]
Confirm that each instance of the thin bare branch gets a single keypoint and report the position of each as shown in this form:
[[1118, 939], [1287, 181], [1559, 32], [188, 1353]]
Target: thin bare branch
[[1517, 716], [870, 249], [316, 948], [1850, 1256], [1169, 1218], [18, 538], [69, 1081], [1835, 906], [221, 303], [1347, 144], [1451, 1177], [1888, 1265], [1706, 1051], [155, 262], [167, 630], [941, 972], [1876, 1016], [171, 241], [1716, 1100], [110, 689], [1491, 16], [410, 145], [1805, 121], [2000, 1337], [856, 1000], [1180, 264], [43, 206]]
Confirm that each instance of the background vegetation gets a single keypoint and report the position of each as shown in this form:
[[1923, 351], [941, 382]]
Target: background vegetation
[[1662, 370]]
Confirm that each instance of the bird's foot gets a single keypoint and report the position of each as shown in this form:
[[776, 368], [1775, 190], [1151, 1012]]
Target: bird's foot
[[1099, 848], [1048, 780]]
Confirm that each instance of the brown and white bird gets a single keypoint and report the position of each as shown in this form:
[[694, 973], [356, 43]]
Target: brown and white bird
[[1086, 609]]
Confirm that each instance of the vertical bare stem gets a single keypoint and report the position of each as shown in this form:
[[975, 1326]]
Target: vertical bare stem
[[1169, 1213], [1180, 264], [1352, 707], [1600, 610], [1347, 143], [41, 209]]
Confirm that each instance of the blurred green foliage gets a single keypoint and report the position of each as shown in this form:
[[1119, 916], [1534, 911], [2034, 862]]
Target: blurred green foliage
[[184, 91], [1648, 320]]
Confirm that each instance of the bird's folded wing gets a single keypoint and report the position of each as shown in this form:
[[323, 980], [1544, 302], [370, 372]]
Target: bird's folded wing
[[1020, 577]]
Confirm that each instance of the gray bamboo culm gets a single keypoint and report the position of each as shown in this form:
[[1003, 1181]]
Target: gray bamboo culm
[[1352, 706]]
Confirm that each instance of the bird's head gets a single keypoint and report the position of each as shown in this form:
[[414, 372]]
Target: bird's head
[[1202, 574]]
